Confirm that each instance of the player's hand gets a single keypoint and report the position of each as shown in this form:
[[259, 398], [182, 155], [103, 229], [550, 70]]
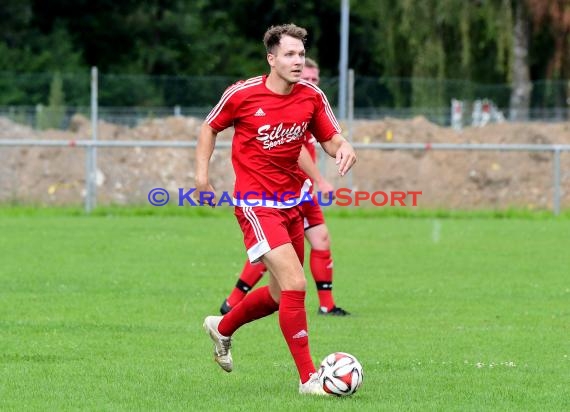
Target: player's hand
[[345, 158], [326, 188], [205, 194]]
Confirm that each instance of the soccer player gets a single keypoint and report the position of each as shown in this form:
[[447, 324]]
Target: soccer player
[[270, 114], [316, 231]]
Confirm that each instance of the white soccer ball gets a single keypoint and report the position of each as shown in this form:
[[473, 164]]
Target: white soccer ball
[[340, 374]]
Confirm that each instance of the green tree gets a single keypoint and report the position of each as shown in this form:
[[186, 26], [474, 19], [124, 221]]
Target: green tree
[[51, 117], [392, 41]]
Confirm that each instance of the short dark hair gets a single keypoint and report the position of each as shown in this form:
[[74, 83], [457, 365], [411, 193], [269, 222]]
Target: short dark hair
[[273, 35]]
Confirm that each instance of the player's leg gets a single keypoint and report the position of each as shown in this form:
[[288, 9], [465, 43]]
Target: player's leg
[[255, 305], [259, 303], [276, 237], [250, 275], [264, 230], [287, 277], [320, 261]]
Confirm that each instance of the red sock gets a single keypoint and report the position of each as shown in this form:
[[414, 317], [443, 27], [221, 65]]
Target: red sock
[[322, 270], [293, 323], [255, 305], [250, 275]]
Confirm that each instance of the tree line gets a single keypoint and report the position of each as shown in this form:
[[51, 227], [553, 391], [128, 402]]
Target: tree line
[[515, 42]]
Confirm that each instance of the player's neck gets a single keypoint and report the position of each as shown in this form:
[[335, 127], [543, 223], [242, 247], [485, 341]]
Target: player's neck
[[278, 85]]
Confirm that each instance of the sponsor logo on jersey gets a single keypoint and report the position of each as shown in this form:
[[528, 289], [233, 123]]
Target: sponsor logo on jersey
[[273, 136]]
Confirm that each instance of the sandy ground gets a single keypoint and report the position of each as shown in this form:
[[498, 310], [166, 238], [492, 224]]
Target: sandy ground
[[447, 179]]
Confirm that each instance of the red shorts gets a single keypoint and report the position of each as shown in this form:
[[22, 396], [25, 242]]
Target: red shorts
[[265, 228], [312, 214]]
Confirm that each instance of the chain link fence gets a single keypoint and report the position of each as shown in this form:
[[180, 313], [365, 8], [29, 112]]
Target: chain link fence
[[170, 108], [46, 100]]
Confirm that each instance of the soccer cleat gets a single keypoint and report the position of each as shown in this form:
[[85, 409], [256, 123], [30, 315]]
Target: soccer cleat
[[335, 311], [225, 308], [222, 344], [312, 386]]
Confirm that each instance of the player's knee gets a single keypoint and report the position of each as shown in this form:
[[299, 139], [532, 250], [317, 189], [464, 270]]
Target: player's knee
[[325, 241], [319, 237], [298, 283], [322, 241]]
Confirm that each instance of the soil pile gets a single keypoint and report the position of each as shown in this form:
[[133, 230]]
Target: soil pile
[[448, 179]]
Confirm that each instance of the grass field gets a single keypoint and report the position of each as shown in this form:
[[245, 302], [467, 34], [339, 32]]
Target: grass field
[[449, 314]]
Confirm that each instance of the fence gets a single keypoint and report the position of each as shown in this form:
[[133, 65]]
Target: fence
[[126, 99], [33, 116], [361, 93], [90, 147]]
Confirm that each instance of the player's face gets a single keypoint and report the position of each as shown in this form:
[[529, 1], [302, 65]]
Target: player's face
[[288, 59], [310, 74]]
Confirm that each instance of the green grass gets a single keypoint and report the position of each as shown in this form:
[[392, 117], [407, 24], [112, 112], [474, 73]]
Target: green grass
[[104, 312]]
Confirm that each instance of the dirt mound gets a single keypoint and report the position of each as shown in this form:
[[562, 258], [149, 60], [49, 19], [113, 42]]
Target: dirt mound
[[450, 179], [460, 179]]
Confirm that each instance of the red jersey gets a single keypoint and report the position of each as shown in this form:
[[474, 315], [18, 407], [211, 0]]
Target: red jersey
[[310, 143], [269, 130]]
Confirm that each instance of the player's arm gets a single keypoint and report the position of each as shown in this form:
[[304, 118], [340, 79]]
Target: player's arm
[[204, 150], [310, 168], [339, 148]]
